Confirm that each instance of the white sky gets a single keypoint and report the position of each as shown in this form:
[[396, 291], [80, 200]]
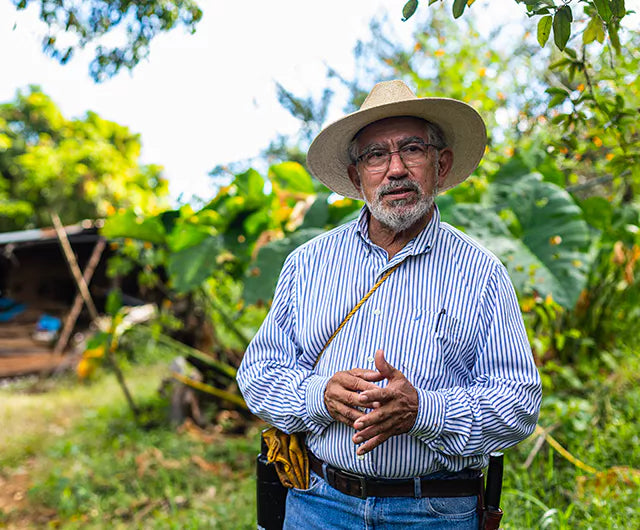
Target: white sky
[[208, 98]]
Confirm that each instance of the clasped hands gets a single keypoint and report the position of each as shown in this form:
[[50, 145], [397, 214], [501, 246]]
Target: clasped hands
[[375, 413]]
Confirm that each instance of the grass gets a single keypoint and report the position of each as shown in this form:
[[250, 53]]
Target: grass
[[90, 466], [595, 414]]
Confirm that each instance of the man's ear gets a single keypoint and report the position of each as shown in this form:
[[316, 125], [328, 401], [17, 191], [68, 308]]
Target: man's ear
[[354, 178], [445, 162]]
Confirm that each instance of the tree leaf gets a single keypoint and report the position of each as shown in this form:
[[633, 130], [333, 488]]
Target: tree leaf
[[186, 235], [113, 302], [544, 30], [458, 8], [409, 9], [562, 26], [317, 215], [128, 224], [557, 99], [265, 270], [192, 265], [591, 32], [612, 27], [554, 231], [599, 211], [291, 176], [604, 9], [618, 8]]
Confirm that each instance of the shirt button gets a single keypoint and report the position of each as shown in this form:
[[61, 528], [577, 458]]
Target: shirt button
[[370, 358], [361, 457], [376, 311]]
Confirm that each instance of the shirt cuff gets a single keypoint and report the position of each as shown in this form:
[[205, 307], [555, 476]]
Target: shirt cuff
[[314, 400], [431, 412]]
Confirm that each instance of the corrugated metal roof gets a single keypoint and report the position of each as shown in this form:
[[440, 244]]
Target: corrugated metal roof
[[44, 234]]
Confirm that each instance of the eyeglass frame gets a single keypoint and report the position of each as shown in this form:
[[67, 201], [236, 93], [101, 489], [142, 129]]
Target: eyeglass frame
[[385, 167]]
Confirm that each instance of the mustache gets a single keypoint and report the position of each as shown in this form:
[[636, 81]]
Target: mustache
[[393, 186]]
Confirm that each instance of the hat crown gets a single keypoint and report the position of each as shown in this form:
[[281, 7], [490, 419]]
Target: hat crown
[[387, 92]]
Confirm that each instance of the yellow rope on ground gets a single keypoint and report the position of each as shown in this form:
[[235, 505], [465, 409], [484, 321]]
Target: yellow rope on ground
[[563, 452], [204, 387]]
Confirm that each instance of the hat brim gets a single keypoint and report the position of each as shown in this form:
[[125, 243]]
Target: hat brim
[[463, 129]]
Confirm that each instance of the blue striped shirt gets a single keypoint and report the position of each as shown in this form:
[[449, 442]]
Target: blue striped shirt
[[448, 318]]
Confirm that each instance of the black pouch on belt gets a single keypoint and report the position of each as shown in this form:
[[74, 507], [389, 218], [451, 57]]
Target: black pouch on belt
[[271, 494]]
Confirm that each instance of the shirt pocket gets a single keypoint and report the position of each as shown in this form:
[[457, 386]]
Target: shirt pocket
[[433, 343]]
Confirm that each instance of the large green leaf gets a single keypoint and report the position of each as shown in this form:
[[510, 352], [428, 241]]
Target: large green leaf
[[189, 267], [549, 253], [409, 9], [544, 30], [317, 215], [458, 8], [291, 176], [128, 224], [264, 272], [186, 234], [250, 184], [562, 26]]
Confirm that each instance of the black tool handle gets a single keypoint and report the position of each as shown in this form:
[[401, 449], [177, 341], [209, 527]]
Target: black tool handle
[[494, 480]]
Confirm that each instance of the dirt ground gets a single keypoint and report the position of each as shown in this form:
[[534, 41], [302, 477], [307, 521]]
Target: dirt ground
[[15, 510]]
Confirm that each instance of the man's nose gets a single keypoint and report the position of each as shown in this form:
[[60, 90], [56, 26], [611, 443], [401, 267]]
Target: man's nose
[[396, 169]]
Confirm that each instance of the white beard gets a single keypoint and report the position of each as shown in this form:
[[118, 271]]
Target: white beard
[[399, 215]]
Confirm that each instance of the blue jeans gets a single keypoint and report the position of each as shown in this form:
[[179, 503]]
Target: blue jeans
[[322, 507]]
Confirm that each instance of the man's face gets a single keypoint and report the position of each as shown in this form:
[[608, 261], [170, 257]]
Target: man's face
[[396, 195]]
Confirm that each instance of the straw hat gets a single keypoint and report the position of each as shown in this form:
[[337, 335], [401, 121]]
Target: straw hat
[[463, 129]]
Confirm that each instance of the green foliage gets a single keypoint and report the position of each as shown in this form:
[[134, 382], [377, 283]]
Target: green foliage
[[260, 283], [409, 9], [607, 15], [544, 29], [537, 230], [562, 26], [99, 468], [79, 168], [592, 409], [87, 22]]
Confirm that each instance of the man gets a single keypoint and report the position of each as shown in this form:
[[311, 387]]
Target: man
[[433, 371]]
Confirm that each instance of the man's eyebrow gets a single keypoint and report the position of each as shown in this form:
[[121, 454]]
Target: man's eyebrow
[[401, 143], [375, 147], [411, 140]]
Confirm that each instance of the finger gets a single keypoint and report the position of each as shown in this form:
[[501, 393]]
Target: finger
[[377, 394], [356, 383], [367, 375], [372, 376], [336, 396], [383, 366], [375, 417], [371, 444], [345, 414]]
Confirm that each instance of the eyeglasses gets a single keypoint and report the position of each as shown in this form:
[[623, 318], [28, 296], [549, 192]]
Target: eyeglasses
[[377, 160]]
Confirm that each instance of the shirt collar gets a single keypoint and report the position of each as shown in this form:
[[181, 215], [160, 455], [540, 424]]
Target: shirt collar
[[421, 244]]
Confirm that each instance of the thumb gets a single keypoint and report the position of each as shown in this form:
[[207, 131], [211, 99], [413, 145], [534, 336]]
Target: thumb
[[383, 366]]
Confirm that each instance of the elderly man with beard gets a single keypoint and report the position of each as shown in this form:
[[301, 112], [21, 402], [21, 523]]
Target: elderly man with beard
[[432, 371]]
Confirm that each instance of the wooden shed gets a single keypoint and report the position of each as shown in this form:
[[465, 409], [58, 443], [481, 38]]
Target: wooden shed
[[37, 287]]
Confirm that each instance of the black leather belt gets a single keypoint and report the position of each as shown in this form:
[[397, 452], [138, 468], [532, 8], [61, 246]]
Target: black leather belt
[[363, 487]]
